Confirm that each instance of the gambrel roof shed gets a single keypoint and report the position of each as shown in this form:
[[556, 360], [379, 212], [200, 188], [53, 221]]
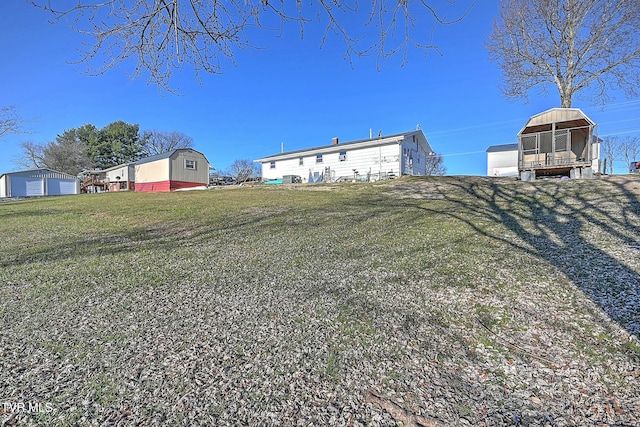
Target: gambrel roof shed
[[173, 170], [559, 141], [563, 118]]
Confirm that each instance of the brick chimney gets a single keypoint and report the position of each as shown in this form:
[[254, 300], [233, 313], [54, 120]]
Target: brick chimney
[[335, 140]]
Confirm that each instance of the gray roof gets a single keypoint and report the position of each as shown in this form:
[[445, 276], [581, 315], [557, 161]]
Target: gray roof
[[341, 145], [165, 155], [38, 171], [502, 147]]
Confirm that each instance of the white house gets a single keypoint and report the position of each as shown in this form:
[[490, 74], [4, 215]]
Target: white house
[[502, 160], [121, 177], [367, 159], [115, 178], [38, 182]]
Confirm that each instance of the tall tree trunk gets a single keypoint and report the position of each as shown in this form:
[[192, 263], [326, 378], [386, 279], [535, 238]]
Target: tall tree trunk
[[565, 99]]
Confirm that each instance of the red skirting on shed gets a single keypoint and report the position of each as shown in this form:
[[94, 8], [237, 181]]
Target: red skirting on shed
[[164, 186], [177, 185], [152, 187]]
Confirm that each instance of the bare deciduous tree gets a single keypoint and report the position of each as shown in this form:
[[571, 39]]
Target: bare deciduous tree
[[242, 170], [609, 150], [572, 44], [629, 149], [156, 142], [32, 155], [164, 35], [10, 121], [435, 165], [63, 155]]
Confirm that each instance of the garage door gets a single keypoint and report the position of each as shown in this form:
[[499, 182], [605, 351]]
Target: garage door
[[56, 186], [22, 186]]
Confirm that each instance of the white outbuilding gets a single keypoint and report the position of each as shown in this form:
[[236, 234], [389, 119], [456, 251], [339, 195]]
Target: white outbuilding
[[367, 159], [502, 160], [38, 182]]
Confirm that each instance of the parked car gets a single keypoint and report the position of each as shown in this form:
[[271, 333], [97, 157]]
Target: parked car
[[221, 180]]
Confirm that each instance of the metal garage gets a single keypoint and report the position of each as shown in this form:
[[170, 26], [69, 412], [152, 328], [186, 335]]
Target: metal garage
[[38, 182]]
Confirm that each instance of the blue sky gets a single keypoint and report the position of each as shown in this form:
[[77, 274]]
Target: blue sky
[[292, 92]]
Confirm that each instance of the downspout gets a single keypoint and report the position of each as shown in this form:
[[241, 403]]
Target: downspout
[[553, 143], [520, 157], [400, 159]]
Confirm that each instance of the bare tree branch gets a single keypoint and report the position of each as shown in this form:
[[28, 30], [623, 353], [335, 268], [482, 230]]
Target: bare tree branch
[[10, 121], [65, 154], [242, 170], [156, 142], [165, 36], [629, 149], [580, 46], [434, 165], [32, 156], [610, 151]]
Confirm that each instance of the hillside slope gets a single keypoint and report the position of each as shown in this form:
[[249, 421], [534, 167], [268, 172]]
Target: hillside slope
[[436, 301]]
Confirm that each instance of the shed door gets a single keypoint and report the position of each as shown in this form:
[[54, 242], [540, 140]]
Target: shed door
[[58, 186], [22, 186]]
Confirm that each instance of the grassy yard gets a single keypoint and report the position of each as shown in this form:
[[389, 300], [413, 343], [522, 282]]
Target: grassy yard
[[436, 301]]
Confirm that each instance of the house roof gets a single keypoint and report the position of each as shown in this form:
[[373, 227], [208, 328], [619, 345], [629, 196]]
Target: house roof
[[98, 171], [166, 155], [360, 143], [502, 147], [112, 168]]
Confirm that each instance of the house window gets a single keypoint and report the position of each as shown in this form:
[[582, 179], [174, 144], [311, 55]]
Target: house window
[[319, 158], [190, 164], [272, 165], [343, 156], [301, 161]]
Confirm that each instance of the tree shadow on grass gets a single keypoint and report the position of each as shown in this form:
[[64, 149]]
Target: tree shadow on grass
[[588, 230], [157, 237]]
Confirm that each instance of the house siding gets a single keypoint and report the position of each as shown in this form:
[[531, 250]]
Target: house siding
[[502, 163], [123, 173], [370, 160], [3, 186], [373, 158], [179, 172], [152, 172], [413, 152], [168, 172]]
